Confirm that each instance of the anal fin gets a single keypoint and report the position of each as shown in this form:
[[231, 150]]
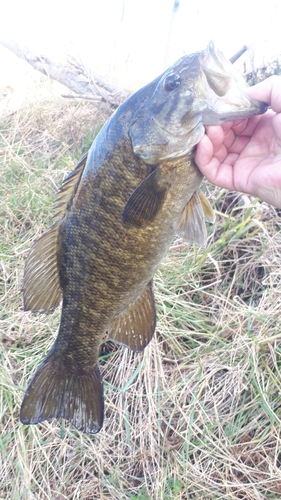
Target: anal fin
[[56, 392], [135, 327]]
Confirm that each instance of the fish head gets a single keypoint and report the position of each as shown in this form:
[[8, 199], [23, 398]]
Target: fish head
[[199, 89]]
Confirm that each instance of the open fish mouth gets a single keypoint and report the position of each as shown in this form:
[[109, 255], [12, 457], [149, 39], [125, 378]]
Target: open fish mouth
[[226, 99]]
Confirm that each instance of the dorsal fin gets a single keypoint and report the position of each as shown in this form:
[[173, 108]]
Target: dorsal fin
[[68, 189], [42, 291]]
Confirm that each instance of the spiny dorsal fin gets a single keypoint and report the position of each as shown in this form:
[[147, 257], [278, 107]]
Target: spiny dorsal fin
[[191, 223], [135, 327], [55, 391], [68, 189], [145, 201], [41, 289]]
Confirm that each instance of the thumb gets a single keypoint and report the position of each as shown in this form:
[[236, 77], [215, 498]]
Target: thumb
[[269, 91]]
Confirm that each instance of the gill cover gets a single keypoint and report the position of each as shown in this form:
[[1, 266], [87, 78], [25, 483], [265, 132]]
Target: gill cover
[[156, 131]]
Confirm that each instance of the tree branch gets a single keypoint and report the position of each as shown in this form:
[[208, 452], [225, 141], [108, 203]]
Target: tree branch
[[73, 75]]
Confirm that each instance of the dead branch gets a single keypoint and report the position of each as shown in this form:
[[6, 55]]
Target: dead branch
[[73, 75]]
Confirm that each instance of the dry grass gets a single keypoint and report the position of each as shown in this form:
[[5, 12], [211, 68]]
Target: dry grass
[[197, 415]]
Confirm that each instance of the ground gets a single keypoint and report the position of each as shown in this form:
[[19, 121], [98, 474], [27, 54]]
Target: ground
[[197, 415]]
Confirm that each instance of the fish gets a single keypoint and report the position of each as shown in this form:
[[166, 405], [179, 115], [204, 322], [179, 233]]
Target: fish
[[116, 216]]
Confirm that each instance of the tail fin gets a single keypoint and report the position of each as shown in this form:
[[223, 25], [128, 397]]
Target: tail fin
[[54, 392]]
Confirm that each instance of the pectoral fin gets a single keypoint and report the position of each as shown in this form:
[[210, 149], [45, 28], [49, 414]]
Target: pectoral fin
[[191, 223], [145, 201], [135, 327], [209, 213]]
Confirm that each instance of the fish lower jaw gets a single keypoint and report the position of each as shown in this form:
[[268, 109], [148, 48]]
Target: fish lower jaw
[[214, 117]]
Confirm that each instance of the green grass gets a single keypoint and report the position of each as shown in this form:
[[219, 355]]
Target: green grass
[[197, 415]]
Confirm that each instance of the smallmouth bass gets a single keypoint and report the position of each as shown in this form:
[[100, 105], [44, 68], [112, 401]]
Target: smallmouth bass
[[117, 214]]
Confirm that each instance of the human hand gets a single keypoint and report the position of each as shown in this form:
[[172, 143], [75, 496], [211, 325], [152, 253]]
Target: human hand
[[245, 155]]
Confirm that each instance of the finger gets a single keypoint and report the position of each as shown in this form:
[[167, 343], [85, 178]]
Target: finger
[[217, 147], [268, 91], [239, 144], [216, 135], [211, 166], [250, 125], [239, 126], [231, 159], [204, 152], [229, 138], [276, 123], [226, 126], [220, 174]]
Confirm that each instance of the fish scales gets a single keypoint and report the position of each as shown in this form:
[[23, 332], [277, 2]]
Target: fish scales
[[110, 274], [117, 214]]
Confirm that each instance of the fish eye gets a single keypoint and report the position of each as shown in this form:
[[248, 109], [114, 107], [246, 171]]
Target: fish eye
[[172, 82]]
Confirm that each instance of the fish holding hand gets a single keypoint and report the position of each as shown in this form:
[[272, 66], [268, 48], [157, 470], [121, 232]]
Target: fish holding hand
[[117, 214]]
